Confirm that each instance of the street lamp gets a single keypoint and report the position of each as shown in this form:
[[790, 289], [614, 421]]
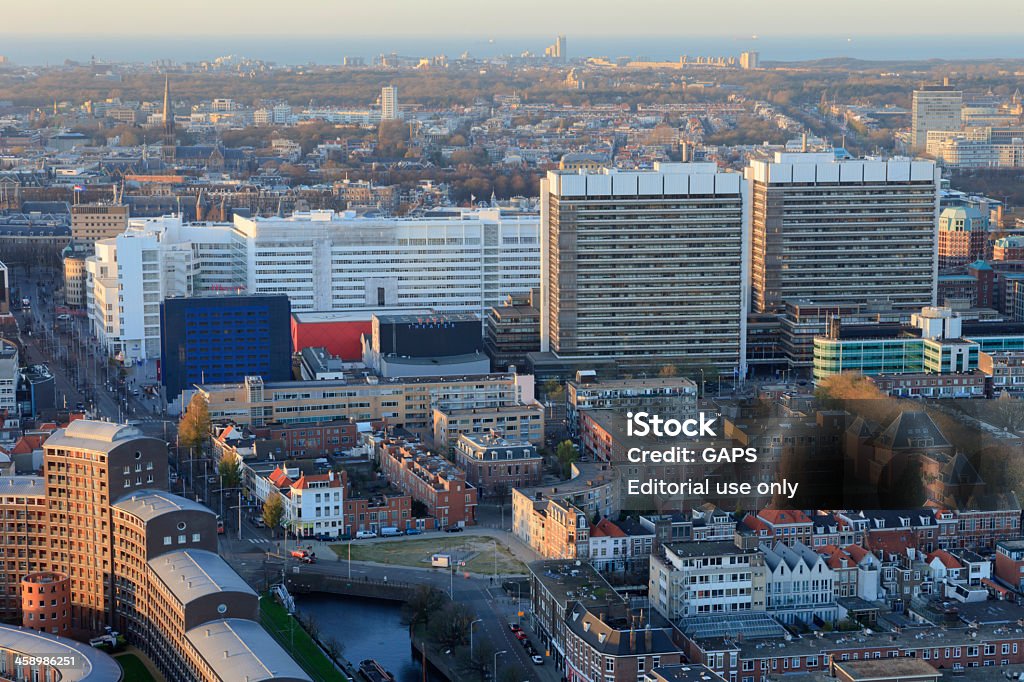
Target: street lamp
[[496, 654], [478, 620]]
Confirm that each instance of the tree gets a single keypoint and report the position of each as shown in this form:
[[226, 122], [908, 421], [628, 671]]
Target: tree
[[335, 647], [230, 470], [424, 602], [667, 371], [566, 454], [273, 511], [554, 391], [450, 627], [419, 510], [194, 427]]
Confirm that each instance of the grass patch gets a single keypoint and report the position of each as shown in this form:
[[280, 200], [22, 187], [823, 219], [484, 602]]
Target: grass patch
[[305, 651], [134, 669], [476, 550]]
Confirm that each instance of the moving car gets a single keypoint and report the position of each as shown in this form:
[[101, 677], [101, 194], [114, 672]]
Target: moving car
[[514, 627], [365, 534], [537, 659], [453, 529]]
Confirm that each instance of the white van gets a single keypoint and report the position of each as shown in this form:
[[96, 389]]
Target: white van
[[365, 534], [389, 532]]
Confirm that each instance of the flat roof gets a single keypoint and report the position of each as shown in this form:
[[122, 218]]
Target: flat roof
[[93, 664], [903, 668], [149, 504], [240, 649], [354, 314], [193, 573]]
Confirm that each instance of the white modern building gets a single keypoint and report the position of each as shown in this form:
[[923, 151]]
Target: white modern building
[[690, 579], [934, 107], [131, 274], [453, 261], [389, 103], [8, 379], [800, 585]]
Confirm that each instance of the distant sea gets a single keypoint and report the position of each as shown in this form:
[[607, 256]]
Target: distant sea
[[36, 50]]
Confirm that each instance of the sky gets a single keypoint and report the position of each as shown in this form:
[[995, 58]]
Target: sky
[[498, 18]]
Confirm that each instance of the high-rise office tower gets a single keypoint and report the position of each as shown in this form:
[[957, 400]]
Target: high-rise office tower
[[557, 49], [934, 107], [388, 103], [845, 232], [644, 268], [749, 60]]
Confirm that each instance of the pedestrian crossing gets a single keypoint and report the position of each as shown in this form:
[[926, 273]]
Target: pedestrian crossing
[[259, 541]]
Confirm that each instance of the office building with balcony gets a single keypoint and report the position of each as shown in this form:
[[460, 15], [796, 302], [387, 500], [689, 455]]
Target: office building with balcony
[[844, 232], [643, 268]]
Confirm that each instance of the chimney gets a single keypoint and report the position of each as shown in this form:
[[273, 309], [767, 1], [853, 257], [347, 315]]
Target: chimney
[[649, 639], [632, 639]]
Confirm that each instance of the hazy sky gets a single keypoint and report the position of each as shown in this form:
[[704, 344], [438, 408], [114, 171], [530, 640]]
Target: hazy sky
[[494, 18]]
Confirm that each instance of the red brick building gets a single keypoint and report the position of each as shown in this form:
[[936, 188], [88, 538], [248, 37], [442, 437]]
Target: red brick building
[[430, 479]]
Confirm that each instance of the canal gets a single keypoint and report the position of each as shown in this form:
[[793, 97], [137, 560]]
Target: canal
[[369, 629]]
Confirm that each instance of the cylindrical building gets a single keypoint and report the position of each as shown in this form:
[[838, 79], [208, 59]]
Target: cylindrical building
[[44, 602]]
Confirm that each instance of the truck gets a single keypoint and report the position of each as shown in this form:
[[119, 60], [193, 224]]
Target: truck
[[441, 560]]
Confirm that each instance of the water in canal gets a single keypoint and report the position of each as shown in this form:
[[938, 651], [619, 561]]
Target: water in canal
[[369, 629]]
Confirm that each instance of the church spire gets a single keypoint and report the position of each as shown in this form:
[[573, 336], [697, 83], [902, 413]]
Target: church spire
[[168, 141]]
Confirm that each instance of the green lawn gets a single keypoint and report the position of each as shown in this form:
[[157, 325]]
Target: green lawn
[[134, 669], [305, 651], [476, 550]]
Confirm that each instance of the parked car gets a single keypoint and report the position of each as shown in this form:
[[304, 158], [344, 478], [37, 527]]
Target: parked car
[[521, 636], [537, 659], [365, 534], [453, 529], [414, 531], [259, 522]]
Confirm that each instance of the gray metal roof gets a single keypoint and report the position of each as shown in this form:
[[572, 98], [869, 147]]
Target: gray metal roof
[[193, 573], [92, 665], [149, 504], [242, 651], [87, 434], [22, 485]]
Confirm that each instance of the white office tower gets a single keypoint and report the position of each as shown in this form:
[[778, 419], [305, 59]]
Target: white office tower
[[645, 268], [389, 103], [934, 107], [453, 261]]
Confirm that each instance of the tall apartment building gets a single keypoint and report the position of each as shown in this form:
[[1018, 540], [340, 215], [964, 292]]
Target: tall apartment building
[[87, 466], [93, 222], [389, 103], [843, 232], [136, 558], [644, 268], [934, 107], [750, 60]]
